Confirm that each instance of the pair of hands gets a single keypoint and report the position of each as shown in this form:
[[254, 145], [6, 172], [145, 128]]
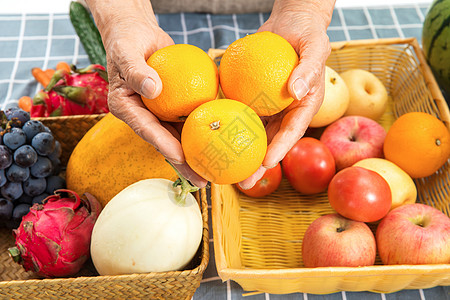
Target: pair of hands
[[130, 34]]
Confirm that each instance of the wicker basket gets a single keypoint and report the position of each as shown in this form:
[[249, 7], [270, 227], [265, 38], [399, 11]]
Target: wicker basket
[[17, 284], [258, 241]]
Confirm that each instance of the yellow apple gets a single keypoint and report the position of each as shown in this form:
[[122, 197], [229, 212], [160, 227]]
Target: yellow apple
[[335, 101], [368, 95], [402, 186]]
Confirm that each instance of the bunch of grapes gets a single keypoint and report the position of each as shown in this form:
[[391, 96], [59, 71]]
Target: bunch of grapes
[[29, 165]]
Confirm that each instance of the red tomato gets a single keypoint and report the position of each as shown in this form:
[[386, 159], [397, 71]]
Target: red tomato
[[309, 166], [360, 194], [266, 185]]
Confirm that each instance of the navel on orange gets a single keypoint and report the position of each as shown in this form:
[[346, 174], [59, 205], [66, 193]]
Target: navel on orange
[[419, 143], [224, 141], [255, 70], [189, 77]]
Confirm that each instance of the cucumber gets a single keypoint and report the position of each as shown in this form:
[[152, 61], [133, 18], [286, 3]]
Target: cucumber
[[88, 33]]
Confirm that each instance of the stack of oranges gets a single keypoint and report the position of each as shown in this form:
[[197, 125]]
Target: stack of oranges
[[224, 140]]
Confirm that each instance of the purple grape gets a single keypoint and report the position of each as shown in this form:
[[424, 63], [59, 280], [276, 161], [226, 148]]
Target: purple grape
[[25, 198], [42, 168], [16, 173], [43, 143], [12, 190], [14, 138], [20, 211], [54, 183], [9, 111], [56, 154], [6, 209], [6, 157], [2, 177], [38, 199], [31, 128], [34, 186], [25, 156], [18, 117]]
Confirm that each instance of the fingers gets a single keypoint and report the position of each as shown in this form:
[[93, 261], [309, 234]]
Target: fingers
[[251, 181], [293, 126], [127, 106], [313, 54]]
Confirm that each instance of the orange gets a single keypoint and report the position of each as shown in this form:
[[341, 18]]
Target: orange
[[224, 141], [255, 70], [419, 143], [189, 77]]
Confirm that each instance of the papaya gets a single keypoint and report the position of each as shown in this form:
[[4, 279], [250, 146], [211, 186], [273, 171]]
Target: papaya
[[110, 157]]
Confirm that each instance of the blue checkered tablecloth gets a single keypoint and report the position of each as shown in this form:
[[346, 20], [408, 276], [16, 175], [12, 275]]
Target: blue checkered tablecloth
[[42, 40]]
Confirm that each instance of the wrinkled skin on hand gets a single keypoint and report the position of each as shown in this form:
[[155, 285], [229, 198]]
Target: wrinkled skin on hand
[[131, 34], [303, 24]]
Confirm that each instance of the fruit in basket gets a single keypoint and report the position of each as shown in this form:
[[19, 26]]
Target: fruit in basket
[[360, 194], [189, 78], [403, 189], [309, 166], [255, 70], [353, 138], [334, 241], [414, 234], [268, 183], [79, 92], [29, 156], [335, 101], [103, 163], [224, 141], [368, 95], [435, 41], [419, 143], [53, 239], [144, 228]]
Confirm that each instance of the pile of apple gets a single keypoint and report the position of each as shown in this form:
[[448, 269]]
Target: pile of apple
[[343, 155]]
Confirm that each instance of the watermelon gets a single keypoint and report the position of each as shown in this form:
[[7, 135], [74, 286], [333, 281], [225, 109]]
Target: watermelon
[[436, 41]]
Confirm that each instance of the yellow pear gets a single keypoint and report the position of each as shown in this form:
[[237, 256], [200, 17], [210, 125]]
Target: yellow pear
[[335, 101], [368, 95], [402, 186]]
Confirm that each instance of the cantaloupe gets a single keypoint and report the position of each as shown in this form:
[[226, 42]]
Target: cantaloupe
[[436, 41], [110, 157]]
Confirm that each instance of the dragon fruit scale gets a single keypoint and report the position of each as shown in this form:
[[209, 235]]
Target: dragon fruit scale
[[53, 239], [80, 92]]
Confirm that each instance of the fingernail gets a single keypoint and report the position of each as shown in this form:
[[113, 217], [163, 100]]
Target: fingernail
[[148, 88], [174, 161], [300, 88], [246, 186], [268, 167]]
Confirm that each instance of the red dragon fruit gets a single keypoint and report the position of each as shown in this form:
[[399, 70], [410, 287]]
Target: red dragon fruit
[[80, 92], [54, 238]]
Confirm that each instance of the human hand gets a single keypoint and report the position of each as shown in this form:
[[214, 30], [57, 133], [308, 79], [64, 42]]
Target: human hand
[[304, 25], [130, 34]]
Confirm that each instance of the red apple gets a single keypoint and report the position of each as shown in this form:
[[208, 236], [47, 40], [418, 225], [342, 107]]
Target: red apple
[[414, 234], [334, 241], [353, 138]]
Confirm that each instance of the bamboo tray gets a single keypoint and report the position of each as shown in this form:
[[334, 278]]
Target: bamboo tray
[[257, 242], [15, 283]]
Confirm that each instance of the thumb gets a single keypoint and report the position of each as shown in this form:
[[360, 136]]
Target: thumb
[[142, 78], [308, 73]]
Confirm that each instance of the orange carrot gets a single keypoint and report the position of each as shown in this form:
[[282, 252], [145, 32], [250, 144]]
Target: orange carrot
[[62, 65], [49, 72], [40, 76], [25, 103]]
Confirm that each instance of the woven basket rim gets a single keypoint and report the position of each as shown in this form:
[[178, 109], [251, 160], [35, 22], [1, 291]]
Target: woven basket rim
[[241, 273]]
